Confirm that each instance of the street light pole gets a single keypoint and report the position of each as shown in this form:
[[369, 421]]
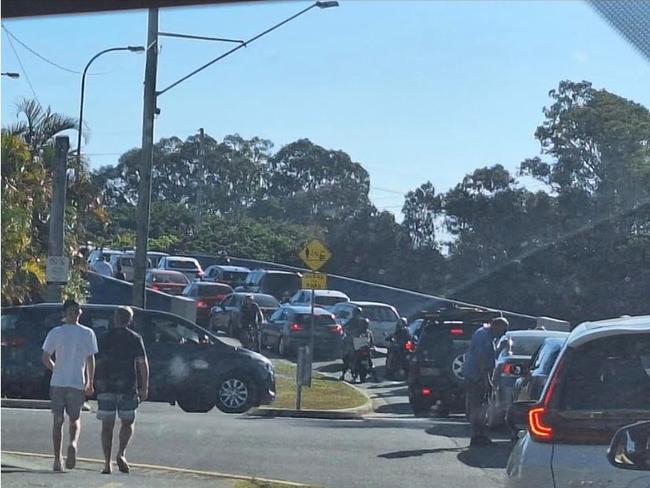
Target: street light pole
[[134, 49], [11, 75], [142, 212]]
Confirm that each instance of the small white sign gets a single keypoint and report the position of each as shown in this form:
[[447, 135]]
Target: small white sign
[[57, 269]]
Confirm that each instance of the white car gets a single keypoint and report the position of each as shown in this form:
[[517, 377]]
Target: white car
[[383, 318], [326, 299], [600, 383], [190, 267]]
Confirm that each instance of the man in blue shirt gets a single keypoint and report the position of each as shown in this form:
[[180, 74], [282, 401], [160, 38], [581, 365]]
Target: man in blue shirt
[[477, 368]]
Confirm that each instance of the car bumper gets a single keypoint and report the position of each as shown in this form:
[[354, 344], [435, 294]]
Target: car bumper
[[529, 465]]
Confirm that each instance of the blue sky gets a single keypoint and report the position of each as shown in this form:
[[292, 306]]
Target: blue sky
[[414, 91]]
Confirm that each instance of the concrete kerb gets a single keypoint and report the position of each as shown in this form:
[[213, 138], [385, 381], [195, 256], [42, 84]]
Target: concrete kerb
[[170, 469], [33, 404]]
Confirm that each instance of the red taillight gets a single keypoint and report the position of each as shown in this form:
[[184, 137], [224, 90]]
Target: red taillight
[[507, 368], [13, 341], [202, 304], [426, 391], [337, 329], [456, 331], [155, 287], [536, 425], [409, 346], [295, 327]]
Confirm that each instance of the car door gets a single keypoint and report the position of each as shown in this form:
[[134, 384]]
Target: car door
[[220, 313], [273, 328]]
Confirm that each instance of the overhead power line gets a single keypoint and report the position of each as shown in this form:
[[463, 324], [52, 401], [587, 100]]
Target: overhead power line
[[20, 63]]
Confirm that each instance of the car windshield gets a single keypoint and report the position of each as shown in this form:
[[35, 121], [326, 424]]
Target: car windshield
[[379, 314], [169, 278], [329, 300], [184, 265], [266, 301], [209, 290]]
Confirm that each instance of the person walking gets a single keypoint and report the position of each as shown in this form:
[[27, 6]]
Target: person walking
[[477, 369], [103, 267], [122, 382], [74, 347]]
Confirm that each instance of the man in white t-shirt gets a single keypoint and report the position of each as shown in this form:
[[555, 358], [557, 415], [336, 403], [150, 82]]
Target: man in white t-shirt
[[103, 267], [73, 370]]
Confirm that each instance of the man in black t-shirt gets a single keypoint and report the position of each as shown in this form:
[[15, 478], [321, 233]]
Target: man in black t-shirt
[[121, 354]]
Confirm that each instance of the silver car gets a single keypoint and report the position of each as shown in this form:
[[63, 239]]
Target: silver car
[[382, 317], [600, 383]]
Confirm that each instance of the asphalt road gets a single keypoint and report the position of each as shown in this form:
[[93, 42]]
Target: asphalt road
[[376, 452]]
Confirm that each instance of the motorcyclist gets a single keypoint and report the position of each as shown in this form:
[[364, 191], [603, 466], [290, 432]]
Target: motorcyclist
[[396, 350], [356, 326], [250, 323], [364, 331], [402, 334]]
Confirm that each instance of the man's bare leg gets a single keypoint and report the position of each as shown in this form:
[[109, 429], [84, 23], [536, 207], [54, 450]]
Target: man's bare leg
[[57, 440], [107, 444], [75, 427], [126, 432]]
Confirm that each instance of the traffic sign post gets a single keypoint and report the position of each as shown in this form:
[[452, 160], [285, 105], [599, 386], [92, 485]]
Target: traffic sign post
[[314, 281]]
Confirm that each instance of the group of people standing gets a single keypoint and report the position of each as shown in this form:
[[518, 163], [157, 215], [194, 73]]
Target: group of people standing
[[115, 368]]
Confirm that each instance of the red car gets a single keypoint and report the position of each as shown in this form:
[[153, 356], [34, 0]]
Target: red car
[[171, 282], [206, 296]]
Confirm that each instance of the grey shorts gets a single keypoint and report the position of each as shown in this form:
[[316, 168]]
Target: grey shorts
[[70, 400], [108, 404]]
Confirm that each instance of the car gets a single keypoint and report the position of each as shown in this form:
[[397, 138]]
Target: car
[[290, 326], [530, 385], [272, 282], [326, 299], [514, 351], [630, 449], [383, 318], [190, 267], [155, 257], [206, 295], [171, 282], [599, 384], [225, 316], [435, 375], [126, 263], [188, 365], [231, 275]]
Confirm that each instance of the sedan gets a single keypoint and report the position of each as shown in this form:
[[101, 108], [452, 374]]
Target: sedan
[[171, 282], [531, 384], [206, 295], [514, 352], [226, 315], [289, 327]]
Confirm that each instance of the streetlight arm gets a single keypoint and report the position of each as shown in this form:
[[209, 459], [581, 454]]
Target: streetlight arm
[[244, 44]]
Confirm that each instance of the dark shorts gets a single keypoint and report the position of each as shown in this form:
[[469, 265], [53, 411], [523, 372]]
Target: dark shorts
[[108, 404], [65, 398]]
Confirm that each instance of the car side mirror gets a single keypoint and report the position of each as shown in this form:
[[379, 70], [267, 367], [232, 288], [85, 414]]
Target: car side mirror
[[630, 447], [517, 414]]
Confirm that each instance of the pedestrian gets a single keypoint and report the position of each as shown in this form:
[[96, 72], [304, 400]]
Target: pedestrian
[[74, 347], [477, 369], [122, 382], [103, 267]]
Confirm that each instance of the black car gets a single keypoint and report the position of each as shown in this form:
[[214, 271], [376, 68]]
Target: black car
[[272, 282], [531, 384], [189, 365], [226, 315], [435, 374], [290, 326]]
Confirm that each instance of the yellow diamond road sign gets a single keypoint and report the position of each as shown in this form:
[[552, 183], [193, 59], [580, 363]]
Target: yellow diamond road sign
[[315, 254], [314, 281]]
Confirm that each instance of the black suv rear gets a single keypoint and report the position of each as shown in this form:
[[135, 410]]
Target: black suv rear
[[188, 364], [436, 370], [272, 282]]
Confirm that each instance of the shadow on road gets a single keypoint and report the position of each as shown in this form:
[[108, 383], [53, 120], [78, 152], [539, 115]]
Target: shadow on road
[[417, 452], [395, 408], [494, 456], [455, 429]]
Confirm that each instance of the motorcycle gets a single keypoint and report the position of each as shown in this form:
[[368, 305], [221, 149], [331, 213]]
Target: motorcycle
[[398, 357], [362, 362]]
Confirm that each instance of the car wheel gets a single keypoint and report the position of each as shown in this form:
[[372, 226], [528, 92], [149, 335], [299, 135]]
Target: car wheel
[[235, 394], [457, 367], [195, 401]]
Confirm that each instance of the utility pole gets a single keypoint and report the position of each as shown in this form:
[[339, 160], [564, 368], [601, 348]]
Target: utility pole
[[144, 195], [201, 177], [57, 263]]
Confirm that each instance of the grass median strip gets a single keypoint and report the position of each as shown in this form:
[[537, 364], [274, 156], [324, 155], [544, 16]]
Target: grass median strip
[[265, 484], [325, 393]]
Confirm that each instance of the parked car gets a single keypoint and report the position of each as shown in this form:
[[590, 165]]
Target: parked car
[[272, 282], [225, 316], [188, 364], [436, 369], [206, 295], [231, 275], [514, 351], [383, 318], [190, 267], [171, 282], [599, 383], [326, 299], [290, 327], [530, 385]]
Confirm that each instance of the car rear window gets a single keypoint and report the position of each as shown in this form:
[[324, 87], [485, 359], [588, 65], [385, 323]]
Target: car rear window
[[214, 289], [318, 319], [611, 373], [522, 346], [266, 301], [185, 265], [278, 283], [379, 314], [169, 278], [235, 276], [126, 262], [329, 301]]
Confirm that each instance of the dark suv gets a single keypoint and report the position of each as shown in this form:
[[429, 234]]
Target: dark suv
[[436, 370], [189, 365], [272, 282]]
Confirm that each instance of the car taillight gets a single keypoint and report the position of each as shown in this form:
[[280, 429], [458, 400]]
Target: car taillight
[[337, 329], [409, 346], [507, 368], [426, 391], [537, 426], [512, 369], [202, 304], [295, 327], [456, 331], [155, 287], [13, 341]]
